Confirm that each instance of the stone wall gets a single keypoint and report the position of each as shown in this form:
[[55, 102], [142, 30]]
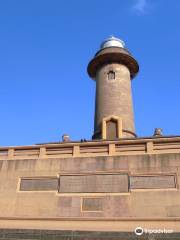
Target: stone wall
[[16, 234], [113, 194], [140, 186]]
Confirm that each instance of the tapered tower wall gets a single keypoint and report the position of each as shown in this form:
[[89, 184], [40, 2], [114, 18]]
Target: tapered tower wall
[[113, 97]]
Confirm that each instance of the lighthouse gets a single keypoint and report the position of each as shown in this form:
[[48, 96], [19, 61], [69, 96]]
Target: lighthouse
[[113, 68]]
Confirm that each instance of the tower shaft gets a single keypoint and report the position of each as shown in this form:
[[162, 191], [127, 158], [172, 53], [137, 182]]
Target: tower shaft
[[114, 98]]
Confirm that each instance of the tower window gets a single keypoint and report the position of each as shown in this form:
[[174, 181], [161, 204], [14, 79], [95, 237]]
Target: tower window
[[111, 75]]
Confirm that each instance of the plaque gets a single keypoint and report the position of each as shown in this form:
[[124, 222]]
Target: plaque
[[97, 183], [163, 181], [92, 204], [39, 184]]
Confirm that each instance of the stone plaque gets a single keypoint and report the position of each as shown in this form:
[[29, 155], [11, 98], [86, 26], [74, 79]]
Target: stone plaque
[[115, 183], [92, 204], [39, 184], [164, 181]]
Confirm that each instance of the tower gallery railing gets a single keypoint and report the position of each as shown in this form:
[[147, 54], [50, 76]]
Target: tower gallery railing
[[93, 148]]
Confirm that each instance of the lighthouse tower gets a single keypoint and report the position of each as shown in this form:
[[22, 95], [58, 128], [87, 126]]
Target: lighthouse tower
[[113, 67]]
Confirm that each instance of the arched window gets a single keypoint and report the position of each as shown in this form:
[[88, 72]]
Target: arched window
[[111, 75]]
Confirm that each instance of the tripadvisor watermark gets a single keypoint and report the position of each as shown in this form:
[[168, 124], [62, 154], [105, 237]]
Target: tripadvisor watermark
[[140, 231]]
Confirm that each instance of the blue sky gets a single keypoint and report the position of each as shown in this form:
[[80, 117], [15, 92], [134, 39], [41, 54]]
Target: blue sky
[[45, 46]]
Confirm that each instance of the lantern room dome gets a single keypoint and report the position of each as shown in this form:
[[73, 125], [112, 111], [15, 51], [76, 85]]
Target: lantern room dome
[[112, 42]]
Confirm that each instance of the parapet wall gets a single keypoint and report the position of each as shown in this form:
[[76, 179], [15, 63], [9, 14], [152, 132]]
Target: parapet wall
[[107, 186], [93, 148]]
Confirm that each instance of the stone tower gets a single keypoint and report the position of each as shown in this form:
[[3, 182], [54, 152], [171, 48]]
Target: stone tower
[[113, 68]]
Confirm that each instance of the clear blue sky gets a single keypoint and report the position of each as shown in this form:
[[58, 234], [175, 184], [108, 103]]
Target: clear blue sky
[[45, 46]]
